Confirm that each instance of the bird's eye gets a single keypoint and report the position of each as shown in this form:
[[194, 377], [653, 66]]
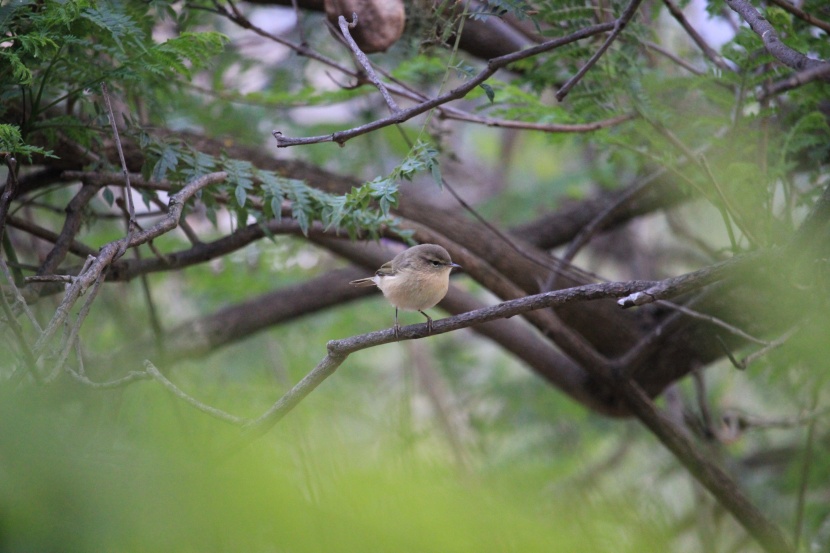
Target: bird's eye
[[435, 263]]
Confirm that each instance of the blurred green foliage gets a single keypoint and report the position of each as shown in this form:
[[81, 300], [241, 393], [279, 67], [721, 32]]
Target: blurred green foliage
[[441, 445]]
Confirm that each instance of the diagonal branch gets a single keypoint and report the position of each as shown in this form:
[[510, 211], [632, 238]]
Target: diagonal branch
[[707, 50], [708, 473], [493, 65], [705, 471], [110, 251], [619, 25], [364, 61], [779, 50], [339, 350], [801, 14]]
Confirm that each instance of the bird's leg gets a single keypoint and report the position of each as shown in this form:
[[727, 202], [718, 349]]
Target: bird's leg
[[429, 321], [397, 326]]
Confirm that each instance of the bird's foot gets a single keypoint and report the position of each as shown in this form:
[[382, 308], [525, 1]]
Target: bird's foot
[[429, 321]]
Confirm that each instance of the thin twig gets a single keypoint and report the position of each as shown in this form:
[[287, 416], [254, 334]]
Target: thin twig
[[681, 284], [746, 421], [619, 25], [120, 203], [303, 50], [364, 61], [8, 191], [109, 252], [493, 65], [128, 191], [801, 14], [804, 477], [81, 377], [767, 534], [818, 72], [448, 112], [75, 328], [772, 42], [727, 208], [300, 29], [598, 223], [673, 57], [129, 378], [400, 88], [18, 297], [699, 380], [777, 343], [69, 279], [631, 364], [172, 388], [714, 320], [707, 50], [22, 342], [728, 353]]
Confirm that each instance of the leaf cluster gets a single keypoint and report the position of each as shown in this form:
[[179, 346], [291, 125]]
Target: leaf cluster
[[56, 54], [265, 195]]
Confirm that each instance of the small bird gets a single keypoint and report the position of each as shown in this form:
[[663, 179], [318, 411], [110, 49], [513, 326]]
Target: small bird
[[416, 279]]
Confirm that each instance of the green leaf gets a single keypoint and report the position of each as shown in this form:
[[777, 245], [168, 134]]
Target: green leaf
[[488, 90], [108, 196], [11, 142], [210, 213], [167, 162], [241, 195], [113, 18], [435, 170]]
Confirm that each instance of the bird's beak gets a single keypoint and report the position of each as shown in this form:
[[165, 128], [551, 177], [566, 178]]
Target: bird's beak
[[455, 265]]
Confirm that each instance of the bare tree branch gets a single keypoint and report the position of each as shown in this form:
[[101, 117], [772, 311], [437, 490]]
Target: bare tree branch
[[798, 12], [493, 65], [364, 61], [619, 25], [768, 535], [772, 42], [707, 50], [684, 283], [815, 73], [176, 391], [109, 252]]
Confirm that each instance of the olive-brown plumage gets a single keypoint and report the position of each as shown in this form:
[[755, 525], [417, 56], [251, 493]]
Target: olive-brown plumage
[[416, 279]]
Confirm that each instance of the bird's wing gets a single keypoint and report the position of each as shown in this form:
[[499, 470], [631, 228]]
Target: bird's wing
[[386, 269]]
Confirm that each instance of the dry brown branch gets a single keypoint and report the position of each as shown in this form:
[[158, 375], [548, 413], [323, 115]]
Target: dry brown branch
[[9, 190], [684, 283], [707, 50], [772, 42], [109, 252], [71, 225], [619, 25], [798, 12], [364, 61], [493, 65], [176, 391], [707, 472], [768, 535], [339, 350], [818, 72]]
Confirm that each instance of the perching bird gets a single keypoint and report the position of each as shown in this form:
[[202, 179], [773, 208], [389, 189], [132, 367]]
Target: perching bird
[[416, 279]]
